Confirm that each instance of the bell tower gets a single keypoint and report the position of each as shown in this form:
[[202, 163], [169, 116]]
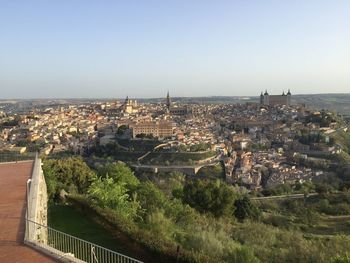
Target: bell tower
[[168, 102], [266, 98], [289, 98]]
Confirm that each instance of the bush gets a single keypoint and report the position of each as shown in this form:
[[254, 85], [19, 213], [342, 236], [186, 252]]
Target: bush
[[70, 174], [207, 196], [106, 193], [242, 255], [278, 190], [341, 259], [246, 209], [161, 222], [161, 226], [278, 220], [120, 173], [151, 198]]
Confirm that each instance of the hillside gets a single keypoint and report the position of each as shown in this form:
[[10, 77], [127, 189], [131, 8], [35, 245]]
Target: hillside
[[335, 102]]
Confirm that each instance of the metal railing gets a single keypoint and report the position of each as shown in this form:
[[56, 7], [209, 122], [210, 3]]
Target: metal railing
[[70, 248], [16, 157], [63, 246]]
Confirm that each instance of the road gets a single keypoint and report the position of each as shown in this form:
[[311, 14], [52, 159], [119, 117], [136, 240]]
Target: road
[[174, 166], [292, 196]]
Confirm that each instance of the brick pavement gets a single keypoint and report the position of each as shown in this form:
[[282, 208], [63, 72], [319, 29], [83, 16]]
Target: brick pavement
[[13, 178]]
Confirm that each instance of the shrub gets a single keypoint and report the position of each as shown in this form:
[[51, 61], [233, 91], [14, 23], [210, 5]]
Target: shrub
[[70, 174], [246, 209], [207, 196], [341, 259], [242, 255], [105, 192], [120, 173], [278, 221]]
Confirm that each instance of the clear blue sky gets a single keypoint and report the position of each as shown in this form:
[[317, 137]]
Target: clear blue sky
[[72, 48]]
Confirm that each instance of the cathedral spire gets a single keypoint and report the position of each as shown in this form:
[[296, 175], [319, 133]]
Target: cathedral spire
[[168, 102]]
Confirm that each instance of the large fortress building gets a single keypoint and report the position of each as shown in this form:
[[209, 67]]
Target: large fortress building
[[273, 100]]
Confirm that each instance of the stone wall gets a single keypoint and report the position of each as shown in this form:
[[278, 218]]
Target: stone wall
[[37, 205]]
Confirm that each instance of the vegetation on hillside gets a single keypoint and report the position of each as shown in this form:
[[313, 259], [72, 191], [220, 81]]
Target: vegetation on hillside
[[70, 174], [208, 220], [137, 149]]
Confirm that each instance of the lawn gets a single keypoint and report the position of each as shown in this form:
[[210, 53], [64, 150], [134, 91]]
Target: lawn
[[68, 220]]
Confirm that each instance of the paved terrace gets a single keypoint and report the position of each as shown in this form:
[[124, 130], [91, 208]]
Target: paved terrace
[[13, 178]]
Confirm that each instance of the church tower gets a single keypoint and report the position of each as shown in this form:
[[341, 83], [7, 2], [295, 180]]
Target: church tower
[[261, 99], [266, 98], [168, 102], [289, 98]]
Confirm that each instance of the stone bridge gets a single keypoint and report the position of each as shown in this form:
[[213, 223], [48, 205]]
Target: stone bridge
[[186, 169]]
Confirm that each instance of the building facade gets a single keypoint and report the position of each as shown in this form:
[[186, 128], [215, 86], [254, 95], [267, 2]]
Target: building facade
[[176, 109], [130, 106], [160, 129], [273, 100], [184, 110]]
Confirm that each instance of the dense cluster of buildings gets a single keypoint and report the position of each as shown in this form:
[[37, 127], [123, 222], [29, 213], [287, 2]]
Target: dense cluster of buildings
[[256, 141]]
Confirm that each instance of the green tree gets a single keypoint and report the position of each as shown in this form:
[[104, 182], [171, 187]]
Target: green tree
[[106, 193], [120, 173], [121, 129], [323, 189], [169, 182], [199, 147], [150, 197], [71, 174], [246, 209], [207, 196]]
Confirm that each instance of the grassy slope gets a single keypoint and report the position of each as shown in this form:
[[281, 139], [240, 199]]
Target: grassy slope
[[331, 225], [343, 139], [275, 213], [69, 220], [216, 171], [336, 102]]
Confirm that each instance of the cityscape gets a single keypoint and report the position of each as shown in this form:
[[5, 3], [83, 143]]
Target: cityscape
[[245, 139], [271, 150], [175, 132]]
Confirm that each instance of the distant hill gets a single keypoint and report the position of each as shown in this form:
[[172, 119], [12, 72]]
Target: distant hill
[[333, 101], [336, 102]]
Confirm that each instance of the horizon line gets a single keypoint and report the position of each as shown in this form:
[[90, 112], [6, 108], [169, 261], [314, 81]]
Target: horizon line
[[150, 98]]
